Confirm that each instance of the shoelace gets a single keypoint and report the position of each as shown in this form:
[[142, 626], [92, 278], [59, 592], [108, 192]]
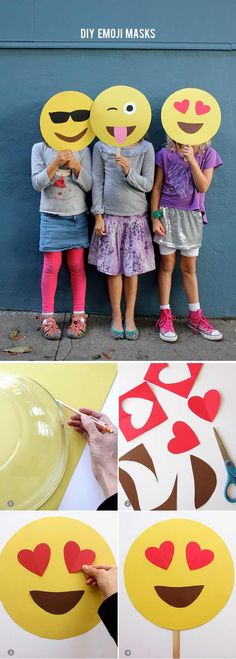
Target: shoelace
[[166, 318], [203, 320]]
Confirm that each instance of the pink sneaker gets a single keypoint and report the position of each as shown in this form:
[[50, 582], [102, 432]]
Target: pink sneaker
[[198, 323], [165, 324]]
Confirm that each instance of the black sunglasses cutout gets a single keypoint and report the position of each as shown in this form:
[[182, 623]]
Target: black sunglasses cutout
[[62, 117]]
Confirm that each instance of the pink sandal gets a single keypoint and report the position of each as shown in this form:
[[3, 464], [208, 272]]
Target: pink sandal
[[78, 326], [50, 329]]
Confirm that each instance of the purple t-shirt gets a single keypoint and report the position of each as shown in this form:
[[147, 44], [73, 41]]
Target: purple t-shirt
[[179, 190]]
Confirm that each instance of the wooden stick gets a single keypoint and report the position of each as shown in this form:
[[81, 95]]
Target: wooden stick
[[176, 644], [118, 150], [98, 423]]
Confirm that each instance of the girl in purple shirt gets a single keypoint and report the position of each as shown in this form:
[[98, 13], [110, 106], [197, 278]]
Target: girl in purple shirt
[[183, 176]]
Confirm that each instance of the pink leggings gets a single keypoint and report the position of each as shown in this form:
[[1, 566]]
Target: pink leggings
[[51, 266]]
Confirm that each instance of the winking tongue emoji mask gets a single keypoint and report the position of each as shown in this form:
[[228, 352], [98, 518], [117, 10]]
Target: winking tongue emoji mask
[[120, 115], [179, 574], [42, 585]]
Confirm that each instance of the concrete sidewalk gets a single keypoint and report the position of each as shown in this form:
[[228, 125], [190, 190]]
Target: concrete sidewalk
[[97, 344]]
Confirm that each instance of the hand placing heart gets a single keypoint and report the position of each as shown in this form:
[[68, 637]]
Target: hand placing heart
[[206, 407], [35, 560], [184, 438], [75, 557], [161, 556], [197, 557]]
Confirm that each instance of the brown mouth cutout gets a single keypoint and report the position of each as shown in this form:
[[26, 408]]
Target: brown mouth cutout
[[178, 596], [110, 130], [56, 603], [71, 139], [189, 128]]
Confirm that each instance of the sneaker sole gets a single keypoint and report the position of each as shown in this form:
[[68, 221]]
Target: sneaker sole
[[168, 339], [206, 336]]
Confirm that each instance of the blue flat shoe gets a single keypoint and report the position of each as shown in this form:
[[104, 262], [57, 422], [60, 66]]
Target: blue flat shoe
[[116, 334], [131, 335]]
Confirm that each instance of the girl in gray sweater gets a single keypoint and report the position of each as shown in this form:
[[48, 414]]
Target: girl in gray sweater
[[121, 245]]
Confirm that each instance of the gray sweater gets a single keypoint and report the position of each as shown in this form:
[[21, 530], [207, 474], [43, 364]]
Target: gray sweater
[[63, 195], [113, 192]]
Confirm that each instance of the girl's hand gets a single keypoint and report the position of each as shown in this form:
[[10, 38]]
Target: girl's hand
[[124, 164], [158, 227], [102, 576], [73, 163], [100, 226], [187, 152], [62, 157]]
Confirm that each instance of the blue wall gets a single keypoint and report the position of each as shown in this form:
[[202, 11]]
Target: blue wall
[[29, 75]]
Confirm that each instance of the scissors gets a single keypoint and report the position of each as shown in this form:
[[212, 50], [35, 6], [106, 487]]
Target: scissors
[[229, 466]]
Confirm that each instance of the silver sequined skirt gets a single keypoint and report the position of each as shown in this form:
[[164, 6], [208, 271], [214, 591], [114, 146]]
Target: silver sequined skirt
[[183, 228]]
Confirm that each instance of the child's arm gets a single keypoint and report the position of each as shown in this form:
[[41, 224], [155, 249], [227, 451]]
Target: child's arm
[[42, 176], [155, 201], [81, 170], [202, 179], [144, 181], [98, 175]]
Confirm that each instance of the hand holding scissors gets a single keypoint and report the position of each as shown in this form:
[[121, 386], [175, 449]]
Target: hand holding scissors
[[229, 466]]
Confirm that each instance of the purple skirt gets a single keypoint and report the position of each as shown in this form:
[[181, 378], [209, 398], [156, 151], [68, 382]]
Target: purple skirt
[[127, 248]]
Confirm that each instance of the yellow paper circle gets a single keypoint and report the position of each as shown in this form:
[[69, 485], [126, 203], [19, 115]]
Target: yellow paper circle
[[16, 581], [120, 115], [178, 583], [191, 116], [65, 121]]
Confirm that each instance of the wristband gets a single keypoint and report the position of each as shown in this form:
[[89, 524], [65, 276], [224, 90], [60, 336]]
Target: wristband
[[156, 214]]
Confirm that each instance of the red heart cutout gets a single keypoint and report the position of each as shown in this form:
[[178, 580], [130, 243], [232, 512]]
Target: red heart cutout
[[35, 561], [182, 106], [156, 417], [75, 557], [181, 388], [197, 557], [184, 438], [161, 556], [207, 406], [201, 108]]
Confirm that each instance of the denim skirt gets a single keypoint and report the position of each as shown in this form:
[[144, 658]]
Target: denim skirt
[[58, 233]]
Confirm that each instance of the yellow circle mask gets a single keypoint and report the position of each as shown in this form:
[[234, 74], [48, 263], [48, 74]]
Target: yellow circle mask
[[65, 121], [120, 116], [191, 116], [42, 586], [179, 574]]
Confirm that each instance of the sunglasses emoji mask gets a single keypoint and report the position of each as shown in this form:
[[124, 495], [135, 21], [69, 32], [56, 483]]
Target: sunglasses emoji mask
[[65, 121]]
